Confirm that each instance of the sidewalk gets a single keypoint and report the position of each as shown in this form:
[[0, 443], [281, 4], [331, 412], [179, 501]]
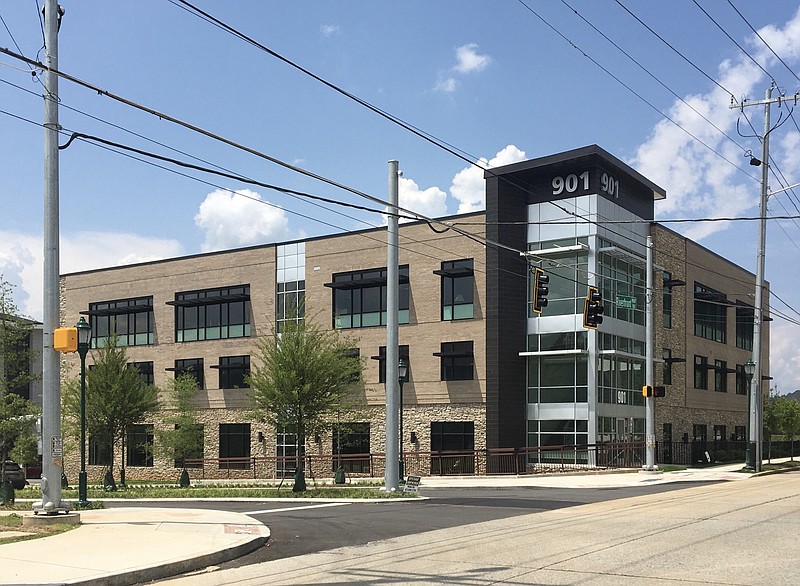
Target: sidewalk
[[124, 546]]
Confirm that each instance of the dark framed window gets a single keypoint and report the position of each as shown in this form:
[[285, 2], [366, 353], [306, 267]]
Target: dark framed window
[[745, 315], [739, 433], [667, 300], [720, 376], [145, 370], [139, 445], [130, 320], [212, 314], [710, 313], [233, 372], [741, 380], [359, 298], [351, 441], [457, 361], [667, 368], [99, 452], [286, 447], [194, 455], [452, 436], [234, 446], [403, 355], [700, 432], [700, 372], [719, 433], [458, 285], [191, 366]]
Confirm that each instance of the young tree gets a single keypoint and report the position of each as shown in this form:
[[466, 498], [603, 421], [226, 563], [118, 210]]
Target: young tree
[[306, 375], [772, 424], [116, 397], [789, 415], [183, 438]]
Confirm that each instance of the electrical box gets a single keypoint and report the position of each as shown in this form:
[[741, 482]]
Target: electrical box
[[65, 339]]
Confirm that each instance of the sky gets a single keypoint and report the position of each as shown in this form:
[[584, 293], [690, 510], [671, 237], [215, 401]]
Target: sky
[[500, 82]]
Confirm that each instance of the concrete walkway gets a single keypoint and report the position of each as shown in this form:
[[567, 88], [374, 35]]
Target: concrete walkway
[[120, 546]]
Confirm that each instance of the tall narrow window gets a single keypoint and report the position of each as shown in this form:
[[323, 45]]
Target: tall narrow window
[[710, 313], [234, 446], [721, 376], [667, 300], [745, 315], [741, 380], [667, 372], [403, 350], [700, 372], [212, 314], [458, 284], [139, 445]]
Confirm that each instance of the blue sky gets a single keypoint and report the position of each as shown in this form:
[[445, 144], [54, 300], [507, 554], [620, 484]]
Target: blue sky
[[500, 81]]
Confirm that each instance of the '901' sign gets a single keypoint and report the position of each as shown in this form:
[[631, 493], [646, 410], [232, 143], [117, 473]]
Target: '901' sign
[[580, 182]]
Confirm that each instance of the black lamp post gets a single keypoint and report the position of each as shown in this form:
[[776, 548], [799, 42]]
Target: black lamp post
[[402, 371], [750, 454], [84, 337]]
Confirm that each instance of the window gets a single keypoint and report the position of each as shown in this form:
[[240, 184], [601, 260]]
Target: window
[[234, 446], [290, 283], [457, 361], [403, 355], [351, 442], [710, 313], [453, 436], [286, 452], [233, 371], [741, 380], [212, 314], [699, 432], [145, 370], [139, 445], [745, 315], [290, 302], [558, 432], [568, 270], [194, 455], [99, 452], [739, 433], [667, 300], [624, 276], [700, 372], [191, 366], [667, 368], [721, 376], [458, 283], [359, 298], [131, 320], [557, 379], [620, 376], [719, 433]]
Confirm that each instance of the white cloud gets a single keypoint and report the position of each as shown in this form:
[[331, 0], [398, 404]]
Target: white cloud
[[21, 261], [699, 183], [430, 202], [784, 356], [468, 61], [469, 186], [328, 30], [235, 219]]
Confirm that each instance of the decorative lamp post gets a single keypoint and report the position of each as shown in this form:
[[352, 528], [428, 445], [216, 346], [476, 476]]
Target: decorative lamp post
[[402, 372], [84, 337], [749, 371]]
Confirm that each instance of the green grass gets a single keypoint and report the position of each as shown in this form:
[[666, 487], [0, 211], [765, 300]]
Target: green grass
[[157, 491], [13, 522], [789, 465]]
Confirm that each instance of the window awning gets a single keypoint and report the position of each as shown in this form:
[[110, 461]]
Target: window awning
[[455, 272], [363, 283], [197, 301], [118, 310]]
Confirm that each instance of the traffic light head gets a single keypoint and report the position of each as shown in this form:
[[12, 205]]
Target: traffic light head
[[540, 289], [593, 309]]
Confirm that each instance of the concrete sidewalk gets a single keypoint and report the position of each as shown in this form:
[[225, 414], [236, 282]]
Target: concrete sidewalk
[[120, 546]]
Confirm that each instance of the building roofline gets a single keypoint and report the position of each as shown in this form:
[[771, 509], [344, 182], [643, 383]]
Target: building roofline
[[587, 151], [265, 246]]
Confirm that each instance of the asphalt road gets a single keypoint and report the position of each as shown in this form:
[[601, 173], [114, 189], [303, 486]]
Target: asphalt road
[[302, 528]]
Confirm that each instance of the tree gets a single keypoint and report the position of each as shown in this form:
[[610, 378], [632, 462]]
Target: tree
[[183, 438], [116, 397], [17, 414], [771, 424], [789, 416], [306, 375]]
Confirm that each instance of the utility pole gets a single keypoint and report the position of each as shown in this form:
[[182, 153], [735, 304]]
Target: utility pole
[[391, 470], [755, 440], [650, 409], [52, 448]]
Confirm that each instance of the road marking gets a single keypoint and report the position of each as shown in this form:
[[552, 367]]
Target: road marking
[[267, 511]]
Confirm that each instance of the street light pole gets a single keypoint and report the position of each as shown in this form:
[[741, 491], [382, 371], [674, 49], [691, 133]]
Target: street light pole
[[402, 371], [84, 336], [749, 371]]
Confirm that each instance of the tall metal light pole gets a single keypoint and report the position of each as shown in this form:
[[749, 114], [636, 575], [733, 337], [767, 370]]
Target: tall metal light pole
[[391, 477], [84, 337], [402, 371]]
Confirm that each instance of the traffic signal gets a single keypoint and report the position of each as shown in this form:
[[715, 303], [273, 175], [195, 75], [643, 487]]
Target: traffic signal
[[647, 391], [540, 289], [659, 391], [593, 309]]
